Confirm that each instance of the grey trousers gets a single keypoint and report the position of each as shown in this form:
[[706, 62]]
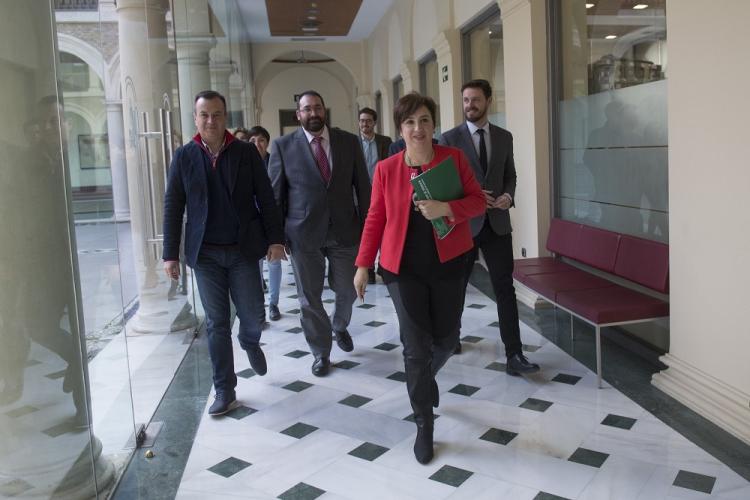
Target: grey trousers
[[309, 275]]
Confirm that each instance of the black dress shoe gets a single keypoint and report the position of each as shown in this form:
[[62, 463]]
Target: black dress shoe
[[458, 349], [257, 360], [518, 364], [321, 366], [273, 312], [344, 341]]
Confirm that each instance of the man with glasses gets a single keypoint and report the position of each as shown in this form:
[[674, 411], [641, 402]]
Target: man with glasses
[[320, 180], [375, 148]]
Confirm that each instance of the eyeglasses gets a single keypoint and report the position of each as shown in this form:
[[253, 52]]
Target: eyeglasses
[[309, 109]]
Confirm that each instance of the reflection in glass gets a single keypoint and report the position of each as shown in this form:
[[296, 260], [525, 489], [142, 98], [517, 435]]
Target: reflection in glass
[[485, 60], [613, 117]]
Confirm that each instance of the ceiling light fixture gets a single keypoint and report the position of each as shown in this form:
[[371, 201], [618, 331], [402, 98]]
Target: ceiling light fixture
[[640, 6], [610, 37], [589, 5]]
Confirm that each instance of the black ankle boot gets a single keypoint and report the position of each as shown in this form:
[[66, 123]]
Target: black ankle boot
[[423, 443]]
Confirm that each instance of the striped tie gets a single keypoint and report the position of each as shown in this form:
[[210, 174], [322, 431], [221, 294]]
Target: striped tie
[[321, 159]]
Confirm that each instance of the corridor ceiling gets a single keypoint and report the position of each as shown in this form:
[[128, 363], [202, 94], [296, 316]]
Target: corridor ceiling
[[296, 20]]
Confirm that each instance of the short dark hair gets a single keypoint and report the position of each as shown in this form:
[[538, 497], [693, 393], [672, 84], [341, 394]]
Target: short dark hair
[[258, 130], [370, 112], [208, 95], [407, 105], [241, 130], [310, 92], [479, 83]]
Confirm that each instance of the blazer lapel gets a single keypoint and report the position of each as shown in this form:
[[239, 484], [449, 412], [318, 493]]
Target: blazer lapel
[[234, 169], [310, 166], [496, 141]]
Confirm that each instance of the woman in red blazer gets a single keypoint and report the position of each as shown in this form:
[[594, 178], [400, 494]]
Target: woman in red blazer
[[423, 273]]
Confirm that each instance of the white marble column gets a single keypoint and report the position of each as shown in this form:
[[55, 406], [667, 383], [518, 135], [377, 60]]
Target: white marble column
[[147, 75], [194, 41], [525, 54], [410, 76], [119, 167], [221, 69], [447, 46]]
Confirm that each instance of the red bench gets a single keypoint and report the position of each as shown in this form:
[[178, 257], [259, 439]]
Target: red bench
[[596, 300]]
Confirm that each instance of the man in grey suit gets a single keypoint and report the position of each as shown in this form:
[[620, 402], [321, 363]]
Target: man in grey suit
[[490, 151], [320, 181]]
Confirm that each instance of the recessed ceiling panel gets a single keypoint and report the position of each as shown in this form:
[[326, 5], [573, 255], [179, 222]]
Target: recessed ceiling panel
[[311, 18]]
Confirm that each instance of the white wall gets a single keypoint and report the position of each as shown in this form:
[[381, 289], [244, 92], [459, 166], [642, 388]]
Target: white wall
[[280, 90], [709, 177]]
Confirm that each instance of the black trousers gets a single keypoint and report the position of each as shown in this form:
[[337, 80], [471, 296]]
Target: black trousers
[[498, 254], [428, 313]]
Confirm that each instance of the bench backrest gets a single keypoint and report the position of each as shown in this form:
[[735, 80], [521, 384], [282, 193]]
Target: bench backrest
[[642, 261], [645, 262]]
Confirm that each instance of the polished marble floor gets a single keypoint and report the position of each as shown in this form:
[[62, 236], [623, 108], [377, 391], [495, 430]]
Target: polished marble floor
[[348, 435]]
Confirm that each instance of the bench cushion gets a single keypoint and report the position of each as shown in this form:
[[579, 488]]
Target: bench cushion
[[644, 262], [541, 265], [563, 237], [612, 305], [551, 284], [597, 248]]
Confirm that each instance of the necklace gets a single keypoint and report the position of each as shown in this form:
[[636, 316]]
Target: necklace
[[412, 163]]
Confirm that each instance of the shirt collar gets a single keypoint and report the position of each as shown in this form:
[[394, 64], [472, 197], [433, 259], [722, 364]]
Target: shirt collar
[[228, 138], [324, 135], [473, 128], [365, 139]]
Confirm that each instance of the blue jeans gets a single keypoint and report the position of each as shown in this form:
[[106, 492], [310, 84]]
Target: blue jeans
[[274, 280], [222, 272]]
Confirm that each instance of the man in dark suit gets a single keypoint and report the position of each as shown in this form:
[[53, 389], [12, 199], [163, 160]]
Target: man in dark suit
[[490, 151], [375, 148], [320, 181], [232, 222]]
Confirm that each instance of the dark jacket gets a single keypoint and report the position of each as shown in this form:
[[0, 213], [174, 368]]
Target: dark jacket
[[253, 203], [501, 172]]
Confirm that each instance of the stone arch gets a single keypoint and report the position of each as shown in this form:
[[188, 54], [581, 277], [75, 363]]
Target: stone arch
[[108, 74], [341, 53]]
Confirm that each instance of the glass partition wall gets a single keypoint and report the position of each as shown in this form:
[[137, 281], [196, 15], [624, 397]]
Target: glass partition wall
[[611, 167], [92, 331], [483, 57]]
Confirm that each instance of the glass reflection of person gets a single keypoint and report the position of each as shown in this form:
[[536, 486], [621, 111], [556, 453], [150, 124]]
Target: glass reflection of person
[[610, 161], [44, 305], [424, 274]]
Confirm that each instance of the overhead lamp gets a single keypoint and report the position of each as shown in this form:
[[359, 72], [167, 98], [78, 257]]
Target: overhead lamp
[[610, 37], [640, 6], [589, 5]]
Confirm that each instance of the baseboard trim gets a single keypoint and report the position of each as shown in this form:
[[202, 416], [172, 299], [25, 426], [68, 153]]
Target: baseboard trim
[[713, 399]]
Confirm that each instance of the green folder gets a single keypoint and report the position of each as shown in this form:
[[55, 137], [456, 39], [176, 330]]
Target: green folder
[[441, 183]]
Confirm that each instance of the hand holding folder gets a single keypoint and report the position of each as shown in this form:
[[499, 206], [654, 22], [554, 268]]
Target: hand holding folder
[[441, 183]]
